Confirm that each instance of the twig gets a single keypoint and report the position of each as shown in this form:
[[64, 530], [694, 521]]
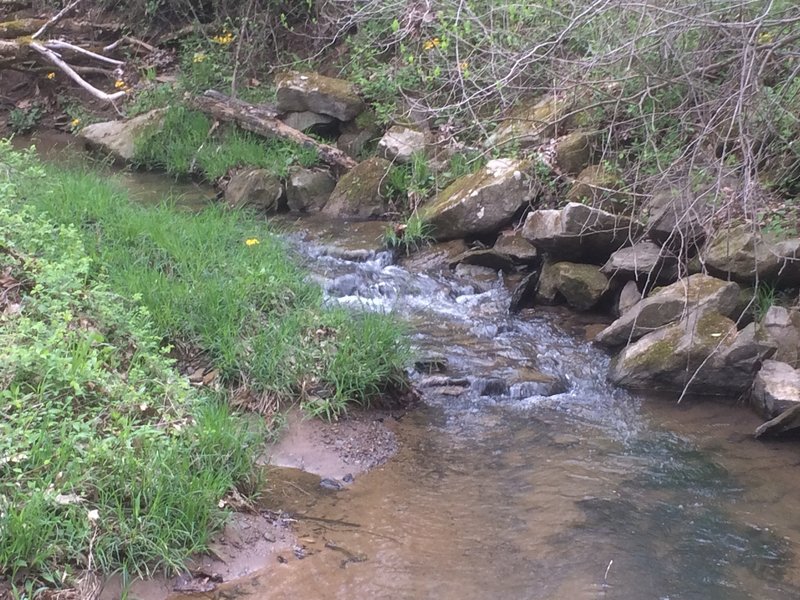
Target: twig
[[60, 15], [53, 44]]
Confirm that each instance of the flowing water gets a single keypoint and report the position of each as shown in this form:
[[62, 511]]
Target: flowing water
[[526, 475]]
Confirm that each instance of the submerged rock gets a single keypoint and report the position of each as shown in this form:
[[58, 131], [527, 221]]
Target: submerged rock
[[480, 203], [360, 192], [255, 188], [694, 294], [298, 92], [117, 138]]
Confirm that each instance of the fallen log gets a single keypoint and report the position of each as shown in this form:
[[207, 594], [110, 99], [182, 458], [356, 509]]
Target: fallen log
[[262, 120]]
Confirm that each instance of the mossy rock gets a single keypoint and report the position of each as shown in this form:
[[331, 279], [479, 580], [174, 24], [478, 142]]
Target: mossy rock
[[532, 124], [297, 92], [361, 192]]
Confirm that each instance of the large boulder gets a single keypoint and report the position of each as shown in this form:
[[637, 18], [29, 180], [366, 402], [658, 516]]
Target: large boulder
[[644, 261], [776, 389], [361, 192], [400, 143], [307, 190], [118, 138], [298, 92], [703, 353], [581, 286], [694, 294], [254, 188], [480, 203], [579, 233]]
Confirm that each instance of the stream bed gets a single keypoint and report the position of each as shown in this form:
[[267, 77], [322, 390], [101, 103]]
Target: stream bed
[[525, 475]]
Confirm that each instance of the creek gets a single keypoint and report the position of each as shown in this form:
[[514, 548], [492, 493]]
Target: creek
[[507, 490]]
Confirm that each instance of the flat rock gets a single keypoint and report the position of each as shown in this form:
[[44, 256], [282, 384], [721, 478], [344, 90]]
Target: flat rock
[[306, 120], [696, 293], [644, 261], [517, 247], [531, 124], [582, 286], [783, 326]]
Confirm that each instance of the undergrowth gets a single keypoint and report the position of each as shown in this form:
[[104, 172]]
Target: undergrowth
[[109, 460]]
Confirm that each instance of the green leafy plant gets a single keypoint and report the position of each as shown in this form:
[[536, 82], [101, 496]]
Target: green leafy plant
[[23, 120]]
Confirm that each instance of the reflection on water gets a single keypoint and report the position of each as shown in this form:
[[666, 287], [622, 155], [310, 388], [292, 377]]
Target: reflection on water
[[584, 493]]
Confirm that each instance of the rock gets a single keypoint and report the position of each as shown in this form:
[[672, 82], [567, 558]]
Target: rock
[[741, 254], [693, 294], [484, 258], [644, 261], [532, 124], [599, 186], [490, 386], [676, 218], [581, 285], [400, 143], [480, 203], [307, 120], [517, 247], [787, 421], [481, 278], [357, 135], [256, 188], [527, 382], [574, 151], [578, 232], [783, 326], [668, 359], [525, 292], [298, 92], [436, 257], [117, 138], [737, 361], [360, 192], [776, 389], [629, 296], [307, 190]]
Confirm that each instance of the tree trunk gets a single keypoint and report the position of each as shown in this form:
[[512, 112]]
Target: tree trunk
[[262, 120]]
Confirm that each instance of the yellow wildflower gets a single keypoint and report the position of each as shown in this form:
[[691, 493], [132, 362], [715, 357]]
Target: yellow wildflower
[[199, 57], [119, 84], [464, 66], [51, 75], [431, 44], [224, 38], [252, 242], [765, 37], [75, 122]]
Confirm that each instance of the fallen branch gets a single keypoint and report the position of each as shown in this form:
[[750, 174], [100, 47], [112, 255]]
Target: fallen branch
[[60, 15], [262, 120], [53, 58]]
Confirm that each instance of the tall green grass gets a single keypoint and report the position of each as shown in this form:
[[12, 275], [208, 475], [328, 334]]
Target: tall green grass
[[183, 145]]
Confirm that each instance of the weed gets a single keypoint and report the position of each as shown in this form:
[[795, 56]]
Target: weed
[[410, 236], [24, 120], [764, 300]]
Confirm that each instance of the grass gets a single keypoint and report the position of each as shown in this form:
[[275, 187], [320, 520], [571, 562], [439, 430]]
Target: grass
[[184, 145], [409, 237], [108, 458]]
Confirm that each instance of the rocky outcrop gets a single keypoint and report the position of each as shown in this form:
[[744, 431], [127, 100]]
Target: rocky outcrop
[[118, 138], [255, 188], [581, 286], [644, 261], [361, 192], [578, 232], [308, 190], [400, 143], [298, 92], [480, 203], [697, 294], [776, 389]]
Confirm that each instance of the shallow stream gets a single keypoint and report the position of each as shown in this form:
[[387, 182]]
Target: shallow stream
[[526, 475]]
